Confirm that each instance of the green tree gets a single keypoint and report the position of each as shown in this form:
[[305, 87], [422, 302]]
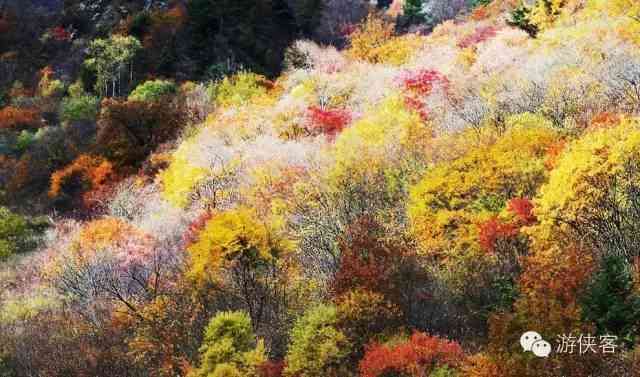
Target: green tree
[[231, 34], [230, 348], [153, 90], [611, 301], [413, 11], [17, 233], [317, 347], [110, 59], [79, 108]]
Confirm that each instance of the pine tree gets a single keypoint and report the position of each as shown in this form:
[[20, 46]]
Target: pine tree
[[413, 11]]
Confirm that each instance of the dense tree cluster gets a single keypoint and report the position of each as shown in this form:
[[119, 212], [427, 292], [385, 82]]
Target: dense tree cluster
[[318, 188]]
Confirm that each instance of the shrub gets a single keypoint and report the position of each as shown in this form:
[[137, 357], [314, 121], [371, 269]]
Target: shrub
[[329, 122], [17, 233], [19, 118], [129, 131], [79, 108], [229, 347], [240, 89], [419, 356], [84, 175], [153, 90], [316, 348]]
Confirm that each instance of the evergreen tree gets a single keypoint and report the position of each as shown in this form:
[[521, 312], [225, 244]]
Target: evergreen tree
[[413, 11], [610, 301]]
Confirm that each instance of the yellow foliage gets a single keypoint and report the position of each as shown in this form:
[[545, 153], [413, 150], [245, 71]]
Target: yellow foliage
[[386, 130], [375, 42], [233, 234], [545, 12], [588, 166], [453, 196], [181, 177], [241, 88]]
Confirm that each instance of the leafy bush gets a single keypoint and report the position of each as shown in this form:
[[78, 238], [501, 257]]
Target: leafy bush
[[240, 89], [19, 118], [317, 347], [17, 233], [129, 131], [79, 108], [419, 356], [154, 90], [229, 347]]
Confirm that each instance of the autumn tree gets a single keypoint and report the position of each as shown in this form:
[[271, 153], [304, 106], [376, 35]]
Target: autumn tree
[[247, 258], [420, 355], [129, 130]]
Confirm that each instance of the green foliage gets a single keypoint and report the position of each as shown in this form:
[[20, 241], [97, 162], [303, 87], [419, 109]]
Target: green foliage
[[413, 11], [6, 369], [229, 347], [611, 301], [79, 108], [479, 3], [444, 371], [521, 18], [24, 140], [239, 89], [317, 347], [111, 59], [153, 90], [17, 233]]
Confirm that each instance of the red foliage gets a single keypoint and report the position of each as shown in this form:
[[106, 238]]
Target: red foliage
[[493, 230], [18, 118], [418, 356], [191, 234], [271, 368], [60, 34], [479, 35], [523, 209], [423, 81], [329, 122], [417, 106], [366, 261]]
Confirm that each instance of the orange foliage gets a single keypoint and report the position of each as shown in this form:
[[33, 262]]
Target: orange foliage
[[605, 119], [92, 174], [103, 233], [523, 209], [553, 154], [16, 118], [481, 365], [550, 285]]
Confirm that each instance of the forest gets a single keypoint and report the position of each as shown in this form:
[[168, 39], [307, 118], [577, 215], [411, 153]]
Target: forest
[[319, 188]]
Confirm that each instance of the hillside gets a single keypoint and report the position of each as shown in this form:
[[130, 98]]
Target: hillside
[[320, 188]]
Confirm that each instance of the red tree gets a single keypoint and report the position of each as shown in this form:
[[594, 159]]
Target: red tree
[[417, 357], [329, 122]]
